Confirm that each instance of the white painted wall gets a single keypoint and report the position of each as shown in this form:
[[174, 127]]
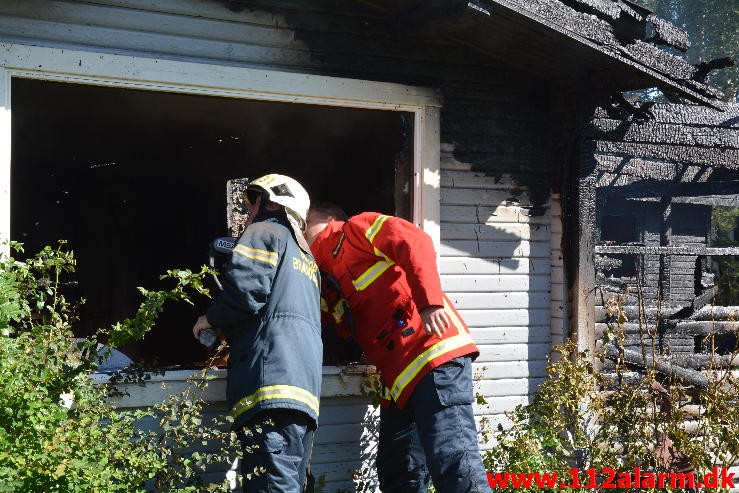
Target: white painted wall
[[497, 268]]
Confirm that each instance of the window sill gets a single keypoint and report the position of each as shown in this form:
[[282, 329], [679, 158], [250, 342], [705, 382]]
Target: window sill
[[338, 381]]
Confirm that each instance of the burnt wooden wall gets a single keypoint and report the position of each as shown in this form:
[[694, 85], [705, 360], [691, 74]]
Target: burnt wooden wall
[[501, 230], [657, 180]]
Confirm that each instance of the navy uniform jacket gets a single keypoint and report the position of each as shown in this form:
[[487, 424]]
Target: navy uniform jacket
[[270, 312]]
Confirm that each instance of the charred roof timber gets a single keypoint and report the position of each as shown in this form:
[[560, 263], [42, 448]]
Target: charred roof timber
[[607, 44]]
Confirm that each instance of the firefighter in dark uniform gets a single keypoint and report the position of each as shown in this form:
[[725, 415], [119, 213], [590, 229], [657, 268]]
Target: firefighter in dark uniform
[[269, 313]]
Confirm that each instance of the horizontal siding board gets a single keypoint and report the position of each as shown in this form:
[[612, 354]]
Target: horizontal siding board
[[508, 318], [265, 32], [499, 405], [495, 231], [489, 214], [484, 283], [212, 8], [512, 352], [511, 335], [475, 180], [339, 433], [469, 301], [509, 387], [15, 28], [335, 471], [329, 453], [500, 370], [129, 19], [468, 196], [482, 266], [345, 413], [495, 249]]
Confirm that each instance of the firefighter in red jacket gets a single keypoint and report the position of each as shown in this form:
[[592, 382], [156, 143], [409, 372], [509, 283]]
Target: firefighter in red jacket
[[385, 271]]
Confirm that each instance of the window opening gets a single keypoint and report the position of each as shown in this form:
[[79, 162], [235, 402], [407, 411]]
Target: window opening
[[620, 230], [136, 182], [725, 268]]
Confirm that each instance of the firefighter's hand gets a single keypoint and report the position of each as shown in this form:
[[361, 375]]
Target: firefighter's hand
[[202, 323], [435, 320]]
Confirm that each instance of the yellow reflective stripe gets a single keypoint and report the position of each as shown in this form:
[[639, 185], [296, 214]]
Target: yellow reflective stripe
[[275, 392], [369, 276], [376, 226], [380, 254], [257, 254], [339, 310], [324, 305], [410, 371], [455, 319]]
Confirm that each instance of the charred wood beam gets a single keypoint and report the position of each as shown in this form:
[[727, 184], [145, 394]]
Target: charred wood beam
[[640, 328], [635, 313], [628, 20], [655, 170], [607, 180], [704, 298], [663, 133], [665, 239], [716, 313], [641, 112], [686, 114], [712, 200], [584, 295], [236, 209], [650, 188], [705, 68], [608, 263], [623, 378], [668, 34], [605, 9], [684, 154], [704, 360], [704, 327], [632, 23], [666, 368], [434, 18], [665, 250]]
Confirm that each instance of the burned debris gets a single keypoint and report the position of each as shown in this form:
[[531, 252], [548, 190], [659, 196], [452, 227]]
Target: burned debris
[[666, 208]]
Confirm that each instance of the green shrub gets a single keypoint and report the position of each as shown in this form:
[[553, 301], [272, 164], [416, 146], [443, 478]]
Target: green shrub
[[580, 419], [58, 431]]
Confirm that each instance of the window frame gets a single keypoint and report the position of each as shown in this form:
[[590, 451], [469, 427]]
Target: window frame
[[157, 74]]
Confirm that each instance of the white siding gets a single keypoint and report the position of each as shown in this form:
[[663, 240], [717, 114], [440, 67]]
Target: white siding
[[346, 440], [498, 268]]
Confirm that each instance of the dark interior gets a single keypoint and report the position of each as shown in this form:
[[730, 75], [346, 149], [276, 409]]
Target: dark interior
[[135, 181]]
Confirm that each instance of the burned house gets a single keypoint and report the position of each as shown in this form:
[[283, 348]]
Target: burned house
[[122, 121], [667, 202]]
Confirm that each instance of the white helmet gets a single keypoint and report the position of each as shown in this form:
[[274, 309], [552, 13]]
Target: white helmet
[[287, 192], [290, 194]]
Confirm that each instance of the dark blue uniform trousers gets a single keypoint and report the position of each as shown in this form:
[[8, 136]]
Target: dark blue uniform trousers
[[434, 433], [276, 446]]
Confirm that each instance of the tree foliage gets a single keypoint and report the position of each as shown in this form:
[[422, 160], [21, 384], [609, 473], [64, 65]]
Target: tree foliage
[[712, 27]]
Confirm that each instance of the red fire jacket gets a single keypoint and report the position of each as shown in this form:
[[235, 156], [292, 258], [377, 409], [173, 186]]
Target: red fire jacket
[[386, 269]]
